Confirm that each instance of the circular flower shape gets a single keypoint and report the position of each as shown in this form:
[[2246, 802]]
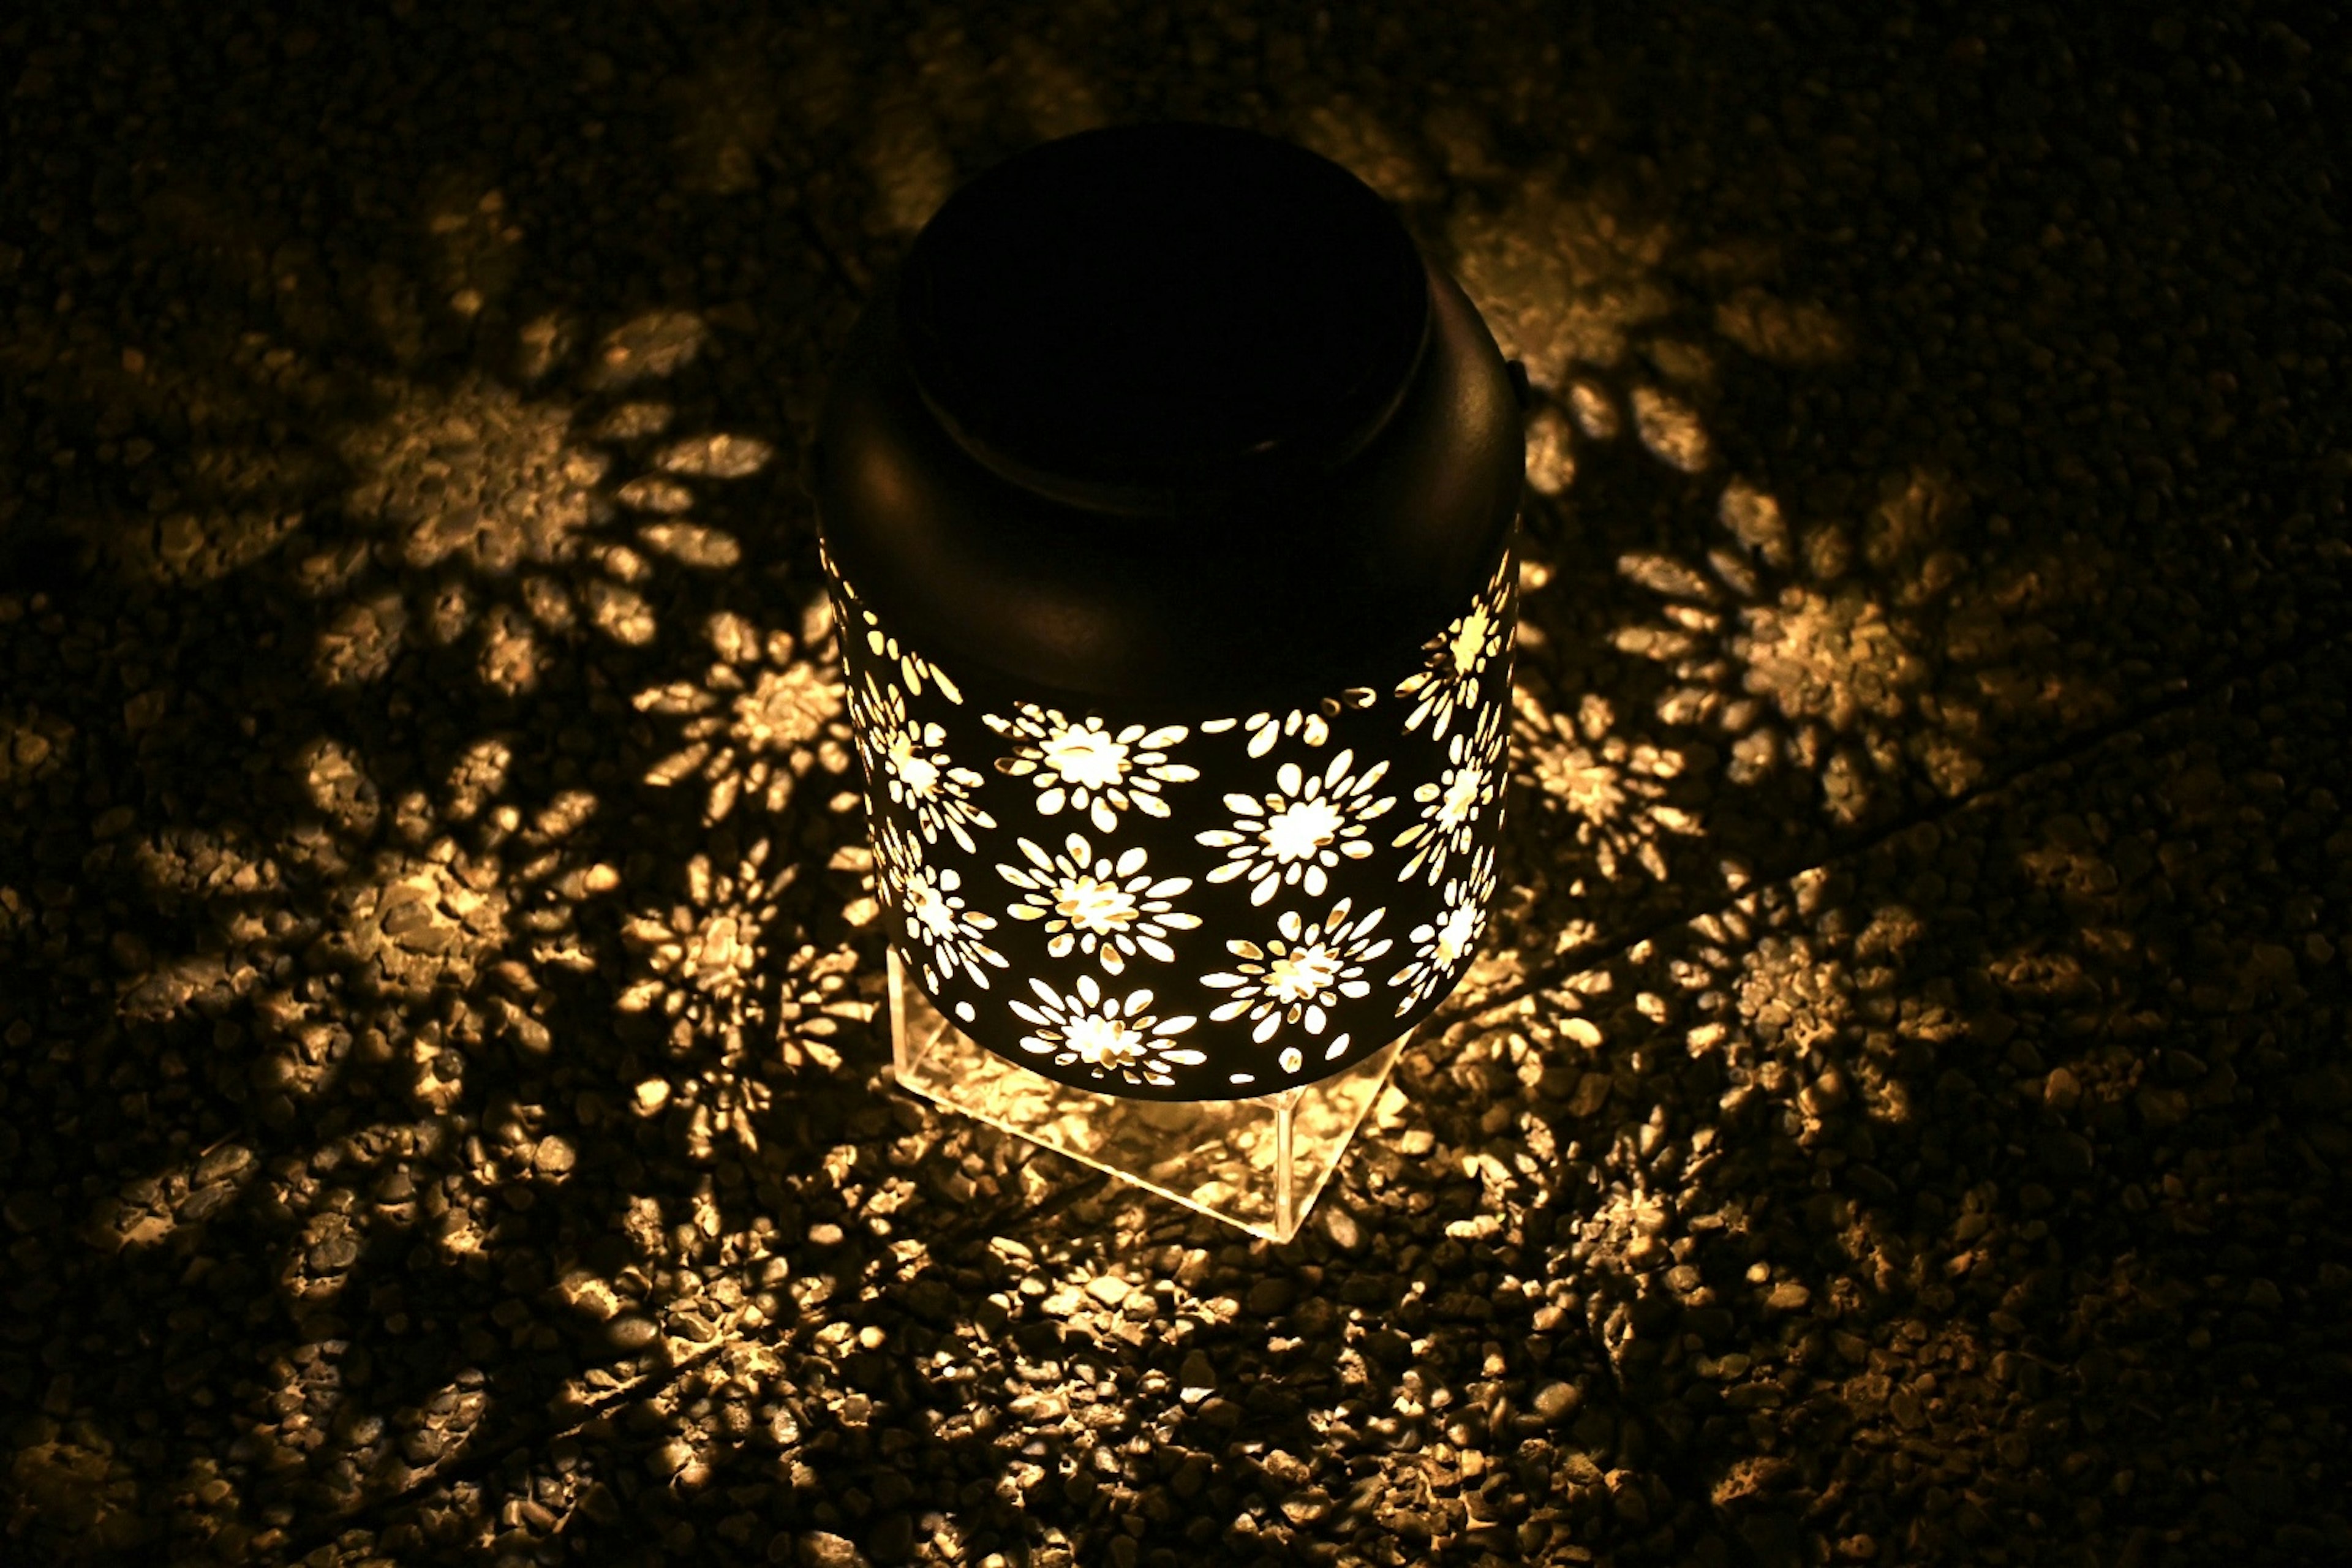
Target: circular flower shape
[[705, 955], [1443, 944], [1448, 681], [1451, 803], [1613, 791], [1293, 837], [1299, 975], [908, 759], [1108, 909], [1110, 1037], [930, 900], [758, 722], [1086, 767]]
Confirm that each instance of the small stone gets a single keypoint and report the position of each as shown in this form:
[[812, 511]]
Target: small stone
[[223, 1164], [1627, 1498], [1196, 1379], [823, 1549], [1340, 1227], [1557, 1401], [32, 1212], [892, 1538], [1787, 1296], [1109, 1289], [553, 1157], [1268, 1296], [631, 1333], [1592, 1094], [2068, 1155]]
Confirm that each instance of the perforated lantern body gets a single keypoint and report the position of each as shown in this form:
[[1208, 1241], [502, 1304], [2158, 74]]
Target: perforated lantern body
[[1166, 501]]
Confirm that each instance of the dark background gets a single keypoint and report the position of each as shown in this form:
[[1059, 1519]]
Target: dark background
[[1900, 1115]]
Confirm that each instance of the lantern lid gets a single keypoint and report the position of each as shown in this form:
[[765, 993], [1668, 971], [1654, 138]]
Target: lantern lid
[[1137, 317], [1171, 415]]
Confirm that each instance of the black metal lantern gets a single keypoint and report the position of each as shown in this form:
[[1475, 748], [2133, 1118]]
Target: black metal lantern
[[1166, 501]]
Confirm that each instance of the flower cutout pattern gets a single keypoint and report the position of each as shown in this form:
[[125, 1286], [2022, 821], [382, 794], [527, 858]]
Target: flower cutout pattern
[[1296, 977], [1143, 828], [1086, 767], [915, 670], [1311, 725], [930, 900], [1446, 681], [1451, 803], [1109, 1035], [909, 760], [1440, 946], [1293, 835], [1108, 909]]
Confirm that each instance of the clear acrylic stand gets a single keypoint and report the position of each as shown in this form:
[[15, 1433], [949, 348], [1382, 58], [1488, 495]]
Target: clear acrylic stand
[[1258, 1163]]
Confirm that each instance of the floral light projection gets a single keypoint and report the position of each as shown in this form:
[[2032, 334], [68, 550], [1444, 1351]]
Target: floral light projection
[[704, 953], [1564, 283], [758, 721], [1829, 653], [1672, 1116], [421, 944], [484, 490], [1613, 792], [1826, 655], [708, 961], [406, 915]]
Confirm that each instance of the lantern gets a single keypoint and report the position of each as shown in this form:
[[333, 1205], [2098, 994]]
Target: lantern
[[1166, 501]]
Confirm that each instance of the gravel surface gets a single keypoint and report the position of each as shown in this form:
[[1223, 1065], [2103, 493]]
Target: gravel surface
[[1901, 1116]]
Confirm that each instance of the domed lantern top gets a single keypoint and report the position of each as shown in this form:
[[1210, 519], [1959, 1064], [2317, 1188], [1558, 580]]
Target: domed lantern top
[[1156, 321], [1167, 499]]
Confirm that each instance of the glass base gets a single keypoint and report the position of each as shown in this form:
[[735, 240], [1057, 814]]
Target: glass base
[[1258, 1163]]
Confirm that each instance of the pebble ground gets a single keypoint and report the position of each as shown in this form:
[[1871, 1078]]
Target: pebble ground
[[1901, 1114]]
